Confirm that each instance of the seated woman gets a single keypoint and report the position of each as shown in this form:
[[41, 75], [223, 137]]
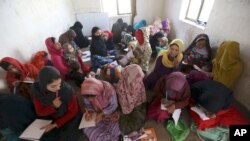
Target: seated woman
[[158, 42], [215, 100], [17, 72], [71, 55], [132, 97], [99, 97], [16, 114], [56, 53], [80, 40], [227, 65], [98, 49], [68, 37], [142, 51], [173, 87], [166, 63], [108, 38], [41, 59], [198, 53], [56, 100]]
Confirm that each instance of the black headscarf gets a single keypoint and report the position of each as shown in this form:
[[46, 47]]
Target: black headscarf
[[198, 38], [39, 89], [16, 112], [212, 95], [80, 40], [98, 46]]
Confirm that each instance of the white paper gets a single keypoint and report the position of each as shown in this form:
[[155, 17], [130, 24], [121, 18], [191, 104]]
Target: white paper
[[164, 104], [84, 123], [176, 115], [86, 56], [34, 131], [201, 113]]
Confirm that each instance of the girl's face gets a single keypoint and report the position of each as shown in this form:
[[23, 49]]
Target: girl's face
[[13, 69], [57, 46], [200, 44], [174, 50], [161, 41], [70, 49], [55, 85], [105, 36], [98, 32], [89, 97]]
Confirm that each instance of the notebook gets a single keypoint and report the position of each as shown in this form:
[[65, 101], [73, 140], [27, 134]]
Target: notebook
[[84, 123], [34, 131], [201, 113]]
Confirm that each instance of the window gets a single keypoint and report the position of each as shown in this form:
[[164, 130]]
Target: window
[[116, 7], [196, 11]]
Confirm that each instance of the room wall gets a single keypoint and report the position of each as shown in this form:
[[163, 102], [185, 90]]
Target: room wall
[[149, 10], [25, 25], [228, 20]]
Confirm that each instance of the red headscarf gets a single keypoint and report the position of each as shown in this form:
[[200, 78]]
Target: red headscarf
[[139, 36], [27, 70]]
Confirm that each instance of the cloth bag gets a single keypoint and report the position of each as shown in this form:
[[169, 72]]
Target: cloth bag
[[214, 134], [178, 132]]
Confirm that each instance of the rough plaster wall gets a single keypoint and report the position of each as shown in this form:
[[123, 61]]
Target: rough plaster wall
[[228, 20], [86, 6], [25, 25], [149, 10]]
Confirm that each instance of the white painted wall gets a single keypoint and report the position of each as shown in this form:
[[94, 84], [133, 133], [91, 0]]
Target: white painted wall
[[25, 24], [228, 20], [149, 10]]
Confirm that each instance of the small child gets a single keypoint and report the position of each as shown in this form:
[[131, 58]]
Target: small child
[[75, 73]]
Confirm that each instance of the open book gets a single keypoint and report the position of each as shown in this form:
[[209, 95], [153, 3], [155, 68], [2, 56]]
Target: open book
[[201, 113], [34, 131], [84, 123]]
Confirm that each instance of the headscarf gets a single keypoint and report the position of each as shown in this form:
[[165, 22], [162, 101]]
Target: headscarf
[[98, 46], [67, 37], [101, 89], [165, 61], [26, 70], [227, 65], [212, 95], [177, 88], [198, 38], [40, 59], [130, 88], [39, 89], [56, 57], [166, 26]]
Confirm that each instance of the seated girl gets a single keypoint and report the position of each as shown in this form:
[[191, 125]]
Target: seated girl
[[56, 53], [98, 49], [16, 114], [215, 100], [56, 100], [132, 97], [227, 65], [80, 40], [175, 89], [198, 53], [71, 55], [166, 63], [41, 59], [68, 37], [158, 42], [142, 51], [17, 72], [100, 97]]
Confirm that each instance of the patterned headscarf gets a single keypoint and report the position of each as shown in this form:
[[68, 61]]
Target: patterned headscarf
[[101, 89]]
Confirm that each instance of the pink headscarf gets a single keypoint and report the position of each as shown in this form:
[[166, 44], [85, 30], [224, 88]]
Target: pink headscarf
[[130, 88], [56, 57], [101, 89]]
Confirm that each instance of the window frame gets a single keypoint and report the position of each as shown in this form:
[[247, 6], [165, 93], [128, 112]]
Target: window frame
[[199, 13], [118, 12]]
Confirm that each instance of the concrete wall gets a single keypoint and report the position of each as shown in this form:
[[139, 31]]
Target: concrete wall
[[228, 20], [25, 25]]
